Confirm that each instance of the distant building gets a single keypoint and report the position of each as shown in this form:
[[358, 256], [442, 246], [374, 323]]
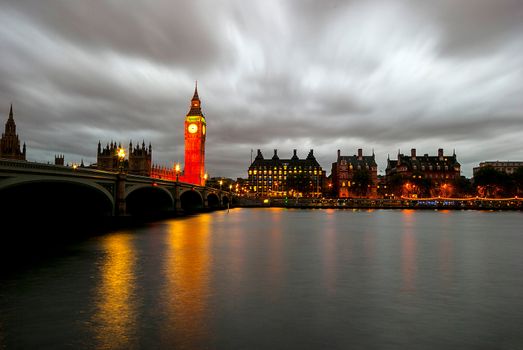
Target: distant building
[[354, 176], [138, 162], [439, 168], [424, 175], [9, 143], [140, 159], [286, 177], [59, 159], [507, 167]]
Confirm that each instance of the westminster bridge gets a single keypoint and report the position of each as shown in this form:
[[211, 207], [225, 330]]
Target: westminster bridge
[[60, 191]]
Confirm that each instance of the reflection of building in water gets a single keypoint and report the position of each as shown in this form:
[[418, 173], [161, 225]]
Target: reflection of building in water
[[115, 318], [187, 289], [408, 253]]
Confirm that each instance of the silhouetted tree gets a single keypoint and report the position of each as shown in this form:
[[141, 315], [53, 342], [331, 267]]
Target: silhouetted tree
[[395, 184], [463, 187], [492, 183], [300, 183], [361, 180]]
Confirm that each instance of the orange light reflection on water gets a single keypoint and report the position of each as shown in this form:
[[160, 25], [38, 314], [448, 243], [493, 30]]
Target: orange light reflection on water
[[115, 317], [408, 252], [187, 275]]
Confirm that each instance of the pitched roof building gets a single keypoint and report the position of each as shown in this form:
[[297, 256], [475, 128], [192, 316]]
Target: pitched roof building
[[283, 177], [440, 167], [354, 176]]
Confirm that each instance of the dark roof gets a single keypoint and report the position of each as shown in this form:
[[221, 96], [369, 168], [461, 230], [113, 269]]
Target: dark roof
[[425, 160], [276, 161], [356, 161]]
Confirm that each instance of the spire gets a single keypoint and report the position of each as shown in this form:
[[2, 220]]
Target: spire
[[10, 126], [195, 97], [195, 108]]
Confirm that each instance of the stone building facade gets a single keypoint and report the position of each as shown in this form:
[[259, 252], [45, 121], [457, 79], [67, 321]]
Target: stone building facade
[[354, 176], [10, 143]]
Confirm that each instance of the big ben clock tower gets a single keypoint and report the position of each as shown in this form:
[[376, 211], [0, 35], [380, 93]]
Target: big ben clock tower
[[195, 129]]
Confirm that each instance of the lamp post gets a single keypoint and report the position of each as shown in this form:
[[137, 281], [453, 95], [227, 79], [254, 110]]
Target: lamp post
[[205, 177], [120, 192], [177, 170], [221, 182], [121, 157]]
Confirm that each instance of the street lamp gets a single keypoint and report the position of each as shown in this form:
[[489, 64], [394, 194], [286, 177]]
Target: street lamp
[[230, 188], [177, 170], [221, 182], [205, 177], [121, 157]]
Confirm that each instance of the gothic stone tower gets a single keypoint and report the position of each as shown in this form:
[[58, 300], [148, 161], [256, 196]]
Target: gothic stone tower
[[10, 144], [195, 129]]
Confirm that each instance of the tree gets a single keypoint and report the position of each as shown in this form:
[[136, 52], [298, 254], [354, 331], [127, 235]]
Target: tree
[[463, 187], [361, 180], [492, 183], [395, 183], [301, 183], [517, 179]]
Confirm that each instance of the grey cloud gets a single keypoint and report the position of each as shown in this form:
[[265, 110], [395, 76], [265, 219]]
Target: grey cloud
[[299, 74]]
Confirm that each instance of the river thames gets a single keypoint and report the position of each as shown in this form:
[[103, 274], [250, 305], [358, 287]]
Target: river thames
[[278, 279]]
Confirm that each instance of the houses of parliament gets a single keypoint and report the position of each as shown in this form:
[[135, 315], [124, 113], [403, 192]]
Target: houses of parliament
[[137, 159]]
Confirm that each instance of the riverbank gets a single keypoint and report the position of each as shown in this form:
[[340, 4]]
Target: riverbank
[[366, 203]]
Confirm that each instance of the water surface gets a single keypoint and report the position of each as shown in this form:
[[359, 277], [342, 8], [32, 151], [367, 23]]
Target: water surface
[[279, 279]]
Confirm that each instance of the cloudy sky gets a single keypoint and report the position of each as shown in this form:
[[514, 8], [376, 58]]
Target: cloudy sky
[[297, 74]]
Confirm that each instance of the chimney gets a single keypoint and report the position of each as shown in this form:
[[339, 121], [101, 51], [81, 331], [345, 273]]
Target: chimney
[[413, 153], [275, 152], [440, 154], [360, 154], [294, 153], [339, 153]]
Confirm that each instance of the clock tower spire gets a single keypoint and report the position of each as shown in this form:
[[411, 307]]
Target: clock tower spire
[[195, 132]]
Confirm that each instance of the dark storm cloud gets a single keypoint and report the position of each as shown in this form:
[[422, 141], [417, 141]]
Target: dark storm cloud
[[382, 75]]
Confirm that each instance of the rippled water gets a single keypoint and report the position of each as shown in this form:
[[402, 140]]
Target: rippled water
[[279, 279]]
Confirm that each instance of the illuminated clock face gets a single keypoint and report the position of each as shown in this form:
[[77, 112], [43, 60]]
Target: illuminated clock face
[[192, 128], [203, 129]]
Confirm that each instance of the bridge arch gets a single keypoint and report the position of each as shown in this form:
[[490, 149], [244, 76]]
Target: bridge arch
[[58, 198], [147, 200], [191, 200], [213, 201], [225, 200]]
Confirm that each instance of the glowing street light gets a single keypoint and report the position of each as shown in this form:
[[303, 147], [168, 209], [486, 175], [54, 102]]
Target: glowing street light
[[177, 170], [121, 157], [221, 182]]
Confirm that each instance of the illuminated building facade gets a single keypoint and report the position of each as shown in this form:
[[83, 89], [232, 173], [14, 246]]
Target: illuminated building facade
[[423, 176], [286, 177], [355, 176], [195, 133], [9, 143]]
